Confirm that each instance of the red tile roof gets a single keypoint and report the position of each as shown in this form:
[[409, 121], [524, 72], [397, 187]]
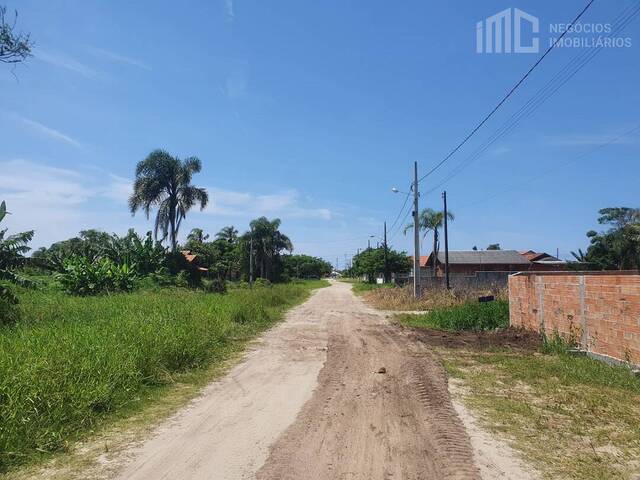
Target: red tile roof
[[423, 260]]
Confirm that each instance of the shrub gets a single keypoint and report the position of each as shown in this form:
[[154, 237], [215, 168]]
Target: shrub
[[468, 316], [261, 282], [216, 285], [163, 277], [9, 313], [84, 277]]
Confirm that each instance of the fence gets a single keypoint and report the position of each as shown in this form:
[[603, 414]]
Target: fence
[[600, 311], [478, 281]]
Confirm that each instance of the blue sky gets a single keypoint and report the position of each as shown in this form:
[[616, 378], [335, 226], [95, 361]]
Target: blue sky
[[311, 112]]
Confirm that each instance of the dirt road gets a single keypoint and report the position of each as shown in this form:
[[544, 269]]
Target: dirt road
[[334, 392]]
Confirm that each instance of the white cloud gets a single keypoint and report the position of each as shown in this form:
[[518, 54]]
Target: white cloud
[[49, 132], [42, 198], [116, 57], [118, 189], [228, 5], [33, 183], [57, 202], [65, 61], [285, 204]]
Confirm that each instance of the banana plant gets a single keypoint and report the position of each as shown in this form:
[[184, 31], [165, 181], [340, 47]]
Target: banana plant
[[12, 250]]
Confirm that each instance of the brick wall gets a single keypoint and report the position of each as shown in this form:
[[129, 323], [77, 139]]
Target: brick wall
[[600, 310]]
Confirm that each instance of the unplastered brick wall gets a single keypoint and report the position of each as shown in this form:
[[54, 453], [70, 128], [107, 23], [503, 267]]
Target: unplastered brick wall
[[600, 311]]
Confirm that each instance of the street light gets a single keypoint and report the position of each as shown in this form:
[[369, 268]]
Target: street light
[[395, 190]]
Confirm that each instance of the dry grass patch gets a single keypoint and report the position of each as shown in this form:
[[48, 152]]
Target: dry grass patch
[[572, 417], [402, 298]]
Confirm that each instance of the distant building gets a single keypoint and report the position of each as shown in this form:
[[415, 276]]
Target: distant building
[[423, 264], [481, 268], [193, 260], [543, 261], [469, 262]]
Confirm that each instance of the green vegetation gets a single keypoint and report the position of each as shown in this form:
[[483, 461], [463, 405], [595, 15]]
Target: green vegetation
[[468, 316], [12, 251], [164, 182], [617, 248], [305, 266], [268, 242], [362, 287], [72, 362], [110, 319], [371, 262], [585, 412], [15, 47], [430, 220], [84, 277]]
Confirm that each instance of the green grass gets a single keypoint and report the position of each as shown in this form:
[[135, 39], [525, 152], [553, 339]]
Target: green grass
[[468, 316], [585, 412], [359, 287], [72, 362]]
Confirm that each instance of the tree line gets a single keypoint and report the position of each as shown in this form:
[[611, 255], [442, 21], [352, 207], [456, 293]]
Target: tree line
[[618, 246], [97, 262]]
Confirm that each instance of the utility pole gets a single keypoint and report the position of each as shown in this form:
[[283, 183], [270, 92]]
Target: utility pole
[[337, 263], [368, 244], [416, 234], [386, 256], [446, 240], [251, 261]]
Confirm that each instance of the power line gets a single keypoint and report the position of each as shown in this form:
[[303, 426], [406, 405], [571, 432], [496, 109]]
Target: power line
[[400, 224], [534, 102], [406, 199], [569, 162], [506, 97]]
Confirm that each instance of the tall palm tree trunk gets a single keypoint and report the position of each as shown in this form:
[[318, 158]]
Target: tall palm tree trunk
[[172, 228]]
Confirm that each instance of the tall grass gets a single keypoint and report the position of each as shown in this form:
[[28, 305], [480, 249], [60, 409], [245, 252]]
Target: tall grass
[[402, 298], [467, 316], [73, 361]]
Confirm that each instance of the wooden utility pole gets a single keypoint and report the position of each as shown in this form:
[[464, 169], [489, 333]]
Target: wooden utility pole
[[416, 234], [446, 240], [386, 256]]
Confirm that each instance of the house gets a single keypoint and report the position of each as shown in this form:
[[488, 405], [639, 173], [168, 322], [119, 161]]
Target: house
[[469, 262], [193, 261], [423, 265], [481, 268], [544, 262]]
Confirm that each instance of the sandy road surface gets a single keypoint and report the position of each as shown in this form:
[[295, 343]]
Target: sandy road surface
[[226, 432], [334, 392], [362, 424]]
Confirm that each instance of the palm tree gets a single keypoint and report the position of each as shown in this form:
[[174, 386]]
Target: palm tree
[[268, 242], [230, 234], [197, 235], [580, 256], [430, 221], [164, 182]]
